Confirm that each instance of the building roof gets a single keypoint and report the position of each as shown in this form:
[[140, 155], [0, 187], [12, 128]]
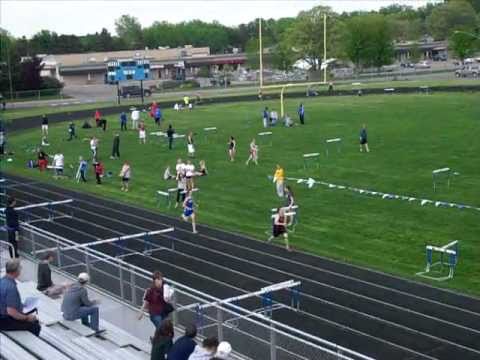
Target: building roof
[[96, 58]]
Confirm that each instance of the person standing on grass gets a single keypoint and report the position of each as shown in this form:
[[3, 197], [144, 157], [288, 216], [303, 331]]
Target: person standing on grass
[[189, 173], [301, 114], [279, 180], [170, 133], [125, 174], [189, 211], [232, 148], [13, 226], [158, 116], [135, 118], [94, 147], [82, 170], [116, 147], [71, 132], [98, 116], [190, 145], [266, 117], [12, 317], [142, 133], [280, 227], [253, 153], [162, 341], [123, 121], [44, 125], [364, 139], [99, 169], [154, 301], [42, 160]]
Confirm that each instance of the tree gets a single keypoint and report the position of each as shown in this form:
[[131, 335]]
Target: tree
[[253, 52], [130, 30], [30, 74], [450, 16], [306, 35], [475, 4], [463, 44]]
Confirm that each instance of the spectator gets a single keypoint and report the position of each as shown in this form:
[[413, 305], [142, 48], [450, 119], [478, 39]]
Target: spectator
[[99, 169], [13, 226], [44, 278], [42, 159], [82, 170], [266, 118], [162, 341], [98, 116], [102, 123], [206, 351], [135, 118], [158, 116], [273, 118], [58, 164], [170, 133], [154, 301], [364, 139], [142, 133], [116, 147], [94, 146], [185, 345], [301, 114], [223, 351], [123, 121], [125, 174], [77, 305], [288, 121], [71, 131], [12, 317], [44, 125]]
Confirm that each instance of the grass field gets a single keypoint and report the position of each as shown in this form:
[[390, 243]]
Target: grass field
[[409, 136]]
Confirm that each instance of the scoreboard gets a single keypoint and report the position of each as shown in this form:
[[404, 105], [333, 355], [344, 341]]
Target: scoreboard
[[127, 69]]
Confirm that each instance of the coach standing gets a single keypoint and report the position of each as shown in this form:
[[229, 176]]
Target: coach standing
[[13, 226], [301, 114], [44, 125]]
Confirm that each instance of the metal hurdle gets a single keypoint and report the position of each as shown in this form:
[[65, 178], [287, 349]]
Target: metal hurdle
[[167, 195], [310, 158], [209, 131], [336, 141], [48, 204], [265, 138], [450, 250], [439, 172]]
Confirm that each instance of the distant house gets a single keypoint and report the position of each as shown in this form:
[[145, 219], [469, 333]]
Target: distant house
[[428, 48], [165, 63]]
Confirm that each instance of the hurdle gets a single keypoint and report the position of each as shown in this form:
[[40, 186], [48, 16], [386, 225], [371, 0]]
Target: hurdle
[[310, 158], [265, 138], [161, 134], [451, 251], [207, 132], [336, 141], [441, 172], [424, 90], [389, 90], [167, 195]]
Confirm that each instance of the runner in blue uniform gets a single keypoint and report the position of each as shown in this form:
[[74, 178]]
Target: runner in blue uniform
[[189, 211]]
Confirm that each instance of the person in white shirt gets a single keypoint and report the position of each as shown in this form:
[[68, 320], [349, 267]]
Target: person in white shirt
[[135, 118], [94, 146], [189, 173], [176, 107], [58, 164]]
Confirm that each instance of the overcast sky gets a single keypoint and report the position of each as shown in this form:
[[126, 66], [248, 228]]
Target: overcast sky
[[26, 17]]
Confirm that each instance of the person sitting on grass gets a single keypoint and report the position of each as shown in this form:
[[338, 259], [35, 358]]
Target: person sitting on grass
[[167, 175], [125, 174], [162, 340]]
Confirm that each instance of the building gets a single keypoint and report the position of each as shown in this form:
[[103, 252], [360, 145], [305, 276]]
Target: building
[[427, 49], [165, 64]]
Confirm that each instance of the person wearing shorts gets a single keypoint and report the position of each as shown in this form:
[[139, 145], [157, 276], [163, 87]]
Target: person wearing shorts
[[253, 153], [364, 139], [232, 148], [125, 174], [280, 227], [142, 133], [189, 211], [189, 173], [190, 145], [44, 125]]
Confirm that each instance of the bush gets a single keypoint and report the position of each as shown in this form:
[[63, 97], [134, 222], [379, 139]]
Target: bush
[[190, 84], [51, 83]]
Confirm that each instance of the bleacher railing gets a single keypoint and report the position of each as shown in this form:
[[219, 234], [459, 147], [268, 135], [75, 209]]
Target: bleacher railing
[[252, 334]]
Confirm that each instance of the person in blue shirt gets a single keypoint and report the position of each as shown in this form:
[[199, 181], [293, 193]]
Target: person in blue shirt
[[266, 117], [189, 211], [123, 121], [301, 114], [13, 226], [364, 139], [158, 116], [12, 317], [184, 346], [82, 170]]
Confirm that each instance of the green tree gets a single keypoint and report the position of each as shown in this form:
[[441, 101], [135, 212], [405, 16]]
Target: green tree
[[450, 16], [130, 30], [463, 44], [30, 78], [253, 52]]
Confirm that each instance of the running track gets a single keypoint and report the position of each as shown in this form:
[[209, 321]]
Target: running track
[[370, 312]]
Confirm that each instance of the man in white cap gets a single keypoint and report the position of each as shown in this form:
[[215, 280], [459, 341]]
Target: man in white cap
[[77, 305], [223, 351]]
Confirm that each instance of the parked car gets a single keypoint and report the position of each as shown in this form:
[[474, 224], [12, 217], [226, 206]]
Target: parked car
[[133, 91], [468, 71], [423, 65], [440, 57], [407, 65]]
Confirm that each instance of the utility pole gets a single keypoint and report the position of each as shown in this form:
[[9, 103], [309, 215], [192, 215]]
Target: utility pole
[[325, 48], [260, 50]]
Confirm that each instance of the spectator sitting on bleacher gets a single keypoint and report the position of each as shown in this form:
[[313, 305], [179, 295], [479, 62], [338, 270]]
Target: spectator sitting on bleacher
[[76, 304], [185, 345], [12, 317], [44, 279], [162, 341], [223, 351], [206, 351]]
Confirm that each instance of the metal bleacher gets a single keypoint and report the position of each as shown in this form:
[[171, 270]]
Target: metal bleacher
[[65, 340]]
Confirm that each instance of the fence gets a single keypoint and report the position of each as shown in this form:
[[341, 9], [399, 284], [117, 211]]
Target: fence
[[252, 334], [30, 95]]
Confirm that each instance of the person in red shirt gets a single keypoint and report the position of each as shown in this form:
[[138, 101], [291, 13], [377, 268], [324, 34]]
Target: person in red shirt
[[98, 167], [154, 301], [97, 117]]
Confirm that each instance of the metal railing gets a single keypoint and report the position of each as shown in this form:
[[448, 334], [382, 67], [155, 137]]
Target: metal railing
[[251, 333]]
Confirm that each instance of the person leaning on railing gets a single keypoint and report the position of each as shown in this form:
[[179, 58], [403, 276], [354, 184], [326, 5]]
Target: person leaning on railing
[[12, 317]]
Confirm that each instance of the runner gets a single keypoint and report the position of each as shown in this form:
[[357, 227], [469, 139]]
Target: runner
[[289, 203], [125, 174], [189, 212], [232, 148], [280, 227], [364, 139], [253, 153], [181, 186]]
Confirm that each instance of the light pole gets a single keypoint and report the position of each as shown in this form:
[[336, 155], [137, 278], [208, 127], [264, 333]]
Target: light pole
[[260, 50]]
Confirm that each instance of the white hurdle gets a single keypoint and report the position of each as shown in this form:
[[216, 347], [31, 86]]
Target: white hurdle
[[336, 141], [450, 250], [32, 206], [309, 158], [265, 138], [167, 195], [209, 131], [439, 172]]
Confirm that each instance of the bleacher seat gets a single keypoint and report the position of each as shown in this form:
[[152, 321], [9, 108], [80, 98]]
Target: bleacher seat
[[36, 346], [10, 350]]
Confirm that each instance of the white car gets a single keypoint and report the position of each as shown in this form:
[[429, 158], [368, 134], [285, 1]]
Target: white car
[[423, 65]]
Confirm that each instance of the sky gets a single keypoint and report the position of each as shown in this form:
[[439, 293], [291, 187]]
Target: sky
[[27, 17]]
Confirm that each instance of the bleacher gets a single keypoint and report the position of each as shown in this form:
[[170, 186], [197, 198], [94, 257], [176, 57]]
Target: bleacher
[[64, 340]]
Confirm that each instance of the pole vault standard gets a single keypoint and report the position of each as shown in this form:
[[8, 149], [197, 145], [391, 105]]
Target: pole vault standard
[[111, 240]]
